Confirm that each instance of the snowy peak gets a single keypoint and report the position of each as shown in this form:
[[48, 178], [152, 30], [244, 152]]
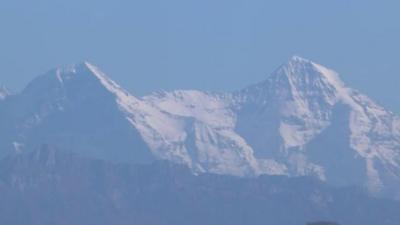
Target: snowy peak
[[81, 72], [298, 60], [77, 108], [78, 79], [103, 78], [85, 70], [308, 72], [304, 75], [299, 80]]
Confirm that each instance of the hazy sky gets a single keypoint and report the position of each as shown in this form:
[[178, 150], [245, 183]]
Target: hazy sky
[[150, 45]]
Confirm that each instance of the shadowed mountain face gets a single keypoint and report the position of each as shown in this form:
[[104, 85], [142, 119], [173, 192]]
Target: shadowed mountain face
[[75, 109], [301, 121], [49, 186]]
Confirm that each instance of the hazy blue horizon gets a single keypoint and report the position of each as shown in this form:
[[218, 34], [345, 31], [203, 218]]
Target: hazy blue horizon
[[210, 45]]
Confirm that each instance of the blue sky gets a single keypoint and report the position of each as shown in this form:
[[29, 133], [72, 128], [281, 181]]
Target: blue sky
[[150, 45]]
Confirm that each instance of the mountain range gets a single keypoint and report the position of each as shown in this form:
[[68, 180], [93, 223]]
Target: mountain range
[[301, 121]]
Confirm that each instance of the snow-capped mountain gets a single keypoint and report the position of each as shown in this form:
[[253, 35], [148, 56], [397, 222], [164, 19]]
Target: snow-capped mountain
[[305, 117], [76, 107], [302, 120]]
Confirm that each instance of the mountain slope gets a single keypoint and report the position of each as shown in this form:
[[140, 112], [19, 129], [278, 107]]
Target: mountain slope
[[206, 134], [48, 186], [75, 107], [302, 104], [302, 120]]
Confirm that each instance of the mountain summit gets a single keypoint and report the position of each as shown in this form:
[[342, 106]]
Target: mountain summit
[[76, 108], [306, 114], [301, 121]]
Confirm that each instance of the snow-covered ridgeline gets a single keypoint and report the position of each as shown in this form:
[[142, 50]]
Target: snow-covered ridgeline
[[302, 120]]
